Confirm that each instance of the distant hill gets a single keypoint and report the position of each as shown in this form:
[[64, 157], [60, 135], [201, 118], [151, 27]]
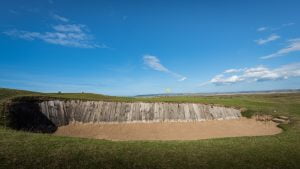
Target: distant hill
[[222, 93]]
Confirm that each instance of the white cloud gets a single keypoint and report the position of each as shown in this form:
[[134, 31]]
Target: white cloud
[[60, 18], [264, 28], [72, 35], [272, 37], [69, 28], [261, 29], [283, 26], [154, 63], [182, 78], [288, 24], [220, 79], [233, 70], [293, 46], [257, 74]]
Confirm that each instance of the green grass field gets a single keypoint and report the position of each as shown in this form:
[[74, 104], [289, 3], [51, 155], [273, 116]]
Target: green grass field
[[29, 150]]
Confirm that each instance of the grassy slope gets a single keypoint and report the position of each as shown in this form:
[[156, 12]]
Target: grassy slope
[[28, 150], [6, 94]]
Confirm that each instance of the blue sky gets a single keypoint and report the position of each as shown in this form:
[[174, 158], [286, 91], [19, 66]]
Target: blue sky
[[141, 47]]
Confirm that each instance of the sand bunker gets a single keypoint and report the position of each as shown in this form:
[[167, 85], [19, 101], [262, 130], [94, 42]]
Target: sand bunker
[[171, 130]]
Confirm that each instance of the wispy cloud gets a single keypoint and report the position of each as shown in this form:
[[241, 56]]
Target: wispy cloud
[[293, 46], [60, 18], [13, 11], [260, 29], [71, 35], [233, 70], [256, 74], [69, 28], [271, 38], [288, 24], [283, 26], [265, 28], [154, 63]]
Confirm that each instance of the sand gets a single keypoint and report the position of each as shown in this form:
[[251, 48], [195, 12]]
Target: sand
[[171, 130]]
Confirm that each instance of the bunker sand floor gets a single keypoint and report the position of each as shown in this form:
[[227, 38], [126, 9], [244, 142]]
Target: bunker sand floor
[[170, 130]]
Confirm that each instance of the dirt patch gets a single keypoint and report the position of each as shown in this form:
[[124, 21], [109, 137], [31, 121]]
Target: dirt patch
[[171, 130]]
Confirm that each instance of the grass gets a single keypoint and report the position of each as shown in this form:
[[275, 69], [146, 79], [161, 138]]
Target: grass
[[28, 150]]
